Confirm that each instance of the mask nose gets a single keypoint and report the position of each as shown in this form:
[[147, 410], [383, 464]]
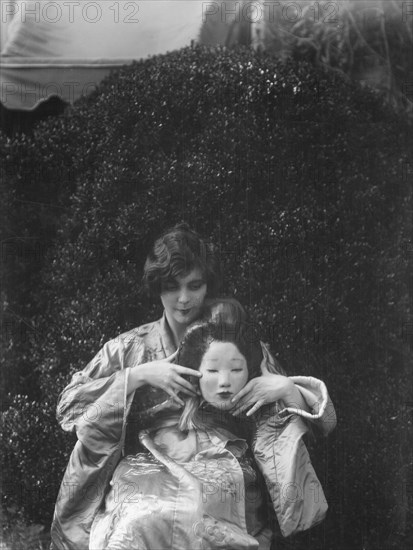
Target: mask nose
[[223, 380]]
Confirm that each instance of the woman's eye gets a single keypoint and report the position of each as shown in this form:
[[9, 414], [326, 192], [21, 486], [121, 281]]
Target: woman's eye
[[211, 370], [236, 370], [169, 286], [196, 286]]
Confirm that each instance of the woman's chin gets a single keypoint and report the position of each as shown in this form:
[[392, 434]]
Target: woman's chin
[[185, 318]]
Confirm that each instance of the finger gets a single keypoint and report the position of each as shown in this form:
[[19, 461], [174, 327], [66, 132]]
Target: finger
[[246, 406], [175, 397], [255, 408], [240, 408], [239, 395], [239, 402], [187, 372], [172, 357], [185, 386], [244, 392]]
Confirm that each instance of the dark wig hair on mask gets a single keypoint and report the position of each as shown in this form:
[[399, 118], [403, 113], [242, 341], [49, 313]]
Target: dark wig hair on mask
[[176, 253], [200, 336], [224, 310]]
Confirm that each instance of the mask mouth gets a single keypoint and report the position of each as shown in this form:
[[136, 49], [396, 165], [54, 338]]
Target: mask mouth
[[225, 394]]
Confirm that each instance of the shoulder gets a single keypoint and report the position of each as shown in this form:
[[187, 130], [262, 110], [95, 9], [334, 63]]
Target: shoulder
[[137, 336]]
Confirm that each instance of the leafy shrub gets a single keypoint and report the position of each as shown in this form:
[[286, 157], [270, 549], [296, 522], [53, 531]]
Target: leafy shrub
[[30, 480], [368, 40], [37, 179], [299, 176]]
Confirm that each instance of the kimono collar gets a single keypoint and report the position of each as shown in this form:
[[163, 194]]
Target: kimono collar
[[167, 340], [234, 428]]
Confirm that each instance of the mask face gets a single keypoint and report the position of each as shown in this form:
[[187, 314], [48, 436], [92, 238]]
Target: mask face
[[224, 373]]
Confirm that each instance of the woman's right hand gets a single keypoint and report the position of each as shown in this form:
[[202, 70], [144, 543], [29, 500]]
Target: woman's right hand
[[165, 375]]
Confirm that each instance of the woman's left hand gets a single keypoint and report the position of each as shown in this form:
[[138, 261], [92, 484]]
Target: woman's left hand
[[260, 391]]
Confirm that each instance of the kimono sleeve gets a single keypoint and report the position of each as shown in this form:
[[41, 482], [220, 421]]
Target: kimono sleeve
[[95, 402], [281, 455], [315, 394]]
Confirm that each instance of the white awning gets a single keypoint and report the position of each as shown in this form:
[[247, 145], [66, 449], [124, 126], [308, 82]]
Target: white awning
[[66, 47]]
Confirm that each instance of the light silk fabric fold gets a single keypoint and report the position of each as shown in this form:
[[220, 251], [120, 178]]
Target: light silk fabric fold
[[281, 455], [157, 502]]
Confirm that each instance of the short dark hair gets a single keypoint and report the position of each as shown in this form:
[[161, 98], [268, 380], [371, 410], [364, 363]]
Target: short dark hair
[[175, 253]]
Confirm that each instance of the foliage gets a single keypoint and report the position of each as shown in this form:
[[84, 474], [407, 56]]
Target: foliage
[[22, 536], [299, 176], [36, 180], [29, 429], [368, 40]]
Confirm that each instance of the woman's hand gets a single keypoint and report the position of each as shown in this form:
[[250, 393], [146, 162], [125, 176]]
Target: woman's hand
[[267, 388], [164, 375]]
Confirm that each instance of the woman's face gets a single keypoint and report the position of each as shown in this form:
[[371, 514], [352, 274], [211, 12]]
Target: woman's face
[[183, 298], [224, 373]]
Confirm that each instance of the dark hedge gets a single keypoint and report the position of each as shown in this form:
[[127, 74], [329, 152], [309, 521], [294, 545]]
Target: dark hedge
[[300, 177]]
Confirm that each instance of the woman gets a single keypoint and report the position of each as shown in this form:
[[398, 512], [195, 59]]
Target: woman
[[187, 491], [133, 378]]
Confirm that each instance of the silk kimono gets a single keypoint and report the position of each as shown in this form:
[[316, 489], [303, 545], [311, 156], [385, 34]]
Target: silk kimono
[[118, 445], [195, 490]]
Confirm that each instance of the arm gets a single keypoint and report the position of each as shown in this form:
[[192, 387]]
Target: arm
[[293, 397], [301, 395], [164, 375], [315, 395], [97, 400], [282, 457], [94, 403]]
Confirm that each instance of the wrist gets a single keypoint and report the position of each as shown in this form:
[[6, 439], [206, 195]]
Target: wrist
[[292, 396], [289, 391], [137, 377]]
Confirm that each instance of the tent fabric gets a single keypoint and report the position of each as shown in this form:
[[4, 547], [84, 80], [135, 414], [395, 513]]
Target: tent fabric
[[66, 48], [24, 84]]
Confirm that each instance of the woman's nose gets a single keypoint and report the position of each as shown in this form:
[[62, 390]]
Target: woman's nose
[[183, 296]]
